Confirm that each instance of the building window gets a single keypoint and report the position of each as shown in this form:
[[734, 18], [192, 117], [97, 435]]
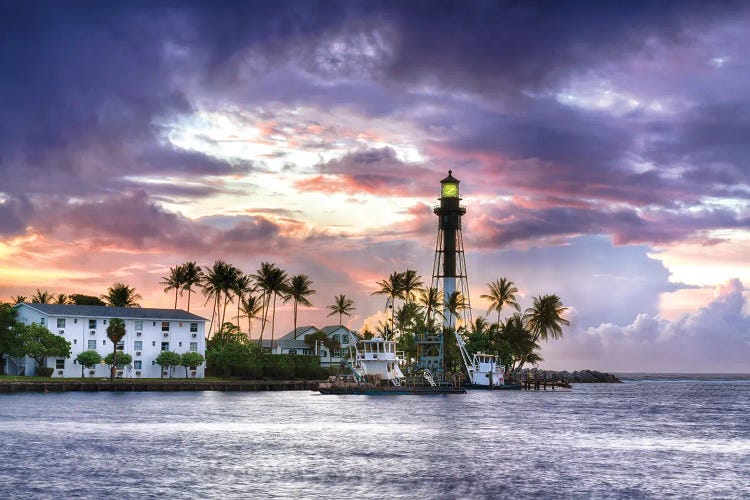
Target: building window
[[104, 321], [61, 322], [154, 323], [165, 326], [292, 351], [138, 345], [92, 324], [179, 344], [121, 346], [75, 321], [193, 327], [137, 364], [92, 345], [323, 353], [139, 324], [104, 342], [75, 341], [336, 338], [344, 339], [153, 344], [193, 346], [165, 346], [60, 364], [42, 321]]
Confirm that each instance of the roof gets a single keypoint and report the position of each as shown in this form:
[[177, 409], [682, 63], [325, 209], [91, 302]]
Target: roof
[[113, 312], [289, 340], [332, 328], [450, 178]]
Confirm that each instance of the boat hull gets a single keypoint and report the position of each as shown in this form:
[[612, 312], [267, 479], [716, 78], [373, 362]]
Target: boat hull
[[504, 387], [392, 391]]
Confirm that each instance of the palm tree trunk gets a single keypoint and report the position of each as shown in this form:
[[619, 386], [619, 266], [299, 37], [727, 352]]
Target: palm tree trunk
[[189, 292], [295, 319], [273, 320], [175, 298]]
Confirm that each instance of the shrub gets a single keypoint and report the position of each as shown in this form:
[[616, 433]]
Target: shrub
[[44, 371]]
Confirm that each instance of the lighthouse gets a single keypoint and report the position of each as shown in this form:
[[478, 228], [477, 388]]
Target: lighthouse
[[448, 276]]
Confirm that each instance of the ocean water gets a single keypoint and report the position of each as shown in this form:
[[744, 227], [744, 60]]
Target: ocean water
[[645, 438]]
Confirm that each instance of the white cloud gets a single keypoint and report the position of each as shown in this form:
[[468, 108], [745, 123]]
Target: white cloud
[[714, 338]]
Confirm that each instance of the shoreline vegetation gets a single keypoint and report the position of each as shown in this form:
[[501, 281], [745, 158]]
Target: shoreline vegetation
[[237, 298]]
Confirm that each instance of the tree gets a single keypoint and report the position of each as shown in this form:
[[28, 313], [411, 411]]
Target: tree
[[38, 343], [121, 295], [320, 338], [41, 297], [393, 288], [174, 281], [251, 308], [123, 359], [298, 290], [410, 283], [8, 330], [218, 283], [87, 359], [85, 300], [342, 305], [502, 293], [241, 287], [455, 303], [191, 360], [168, 359], [272, 280], [19, 299], [193, 275], [431, 299], [115, 333], [544, 318], [61, 298], [522, 344]]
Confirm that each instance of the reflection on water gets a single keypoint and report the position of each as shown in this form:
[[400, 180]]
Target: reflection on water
[[638, 439]]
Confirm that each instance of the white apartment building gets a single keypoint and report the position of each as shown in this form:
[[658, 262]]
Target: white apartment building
[[147, 333]]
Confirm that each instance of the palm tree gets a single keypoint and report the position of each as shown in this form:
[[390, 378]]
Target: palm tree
[[174, 281], [262, 277], [115, 333], [455, 303], [121, 295], [19, 299], [410, 282], [502, 293], [217, 283], [273, 281], [192, 276], [430, 298], [41, 297], [522, 345], [544, 318], [393, 288], [61, 298], [298, 290], [242, 286], [342, 305], [251, 307]]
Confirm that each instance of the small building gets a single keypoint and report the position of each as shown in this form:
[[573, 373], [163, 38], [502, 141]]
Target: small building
[[147, 333], [294, 343]]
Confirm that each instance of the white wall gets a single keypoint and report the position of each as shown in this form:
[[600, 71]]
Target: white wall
[[151, 336]]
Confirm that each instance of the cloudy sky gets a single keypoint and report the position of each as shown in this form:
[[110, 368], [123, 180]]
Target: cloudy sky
[[602, 151]]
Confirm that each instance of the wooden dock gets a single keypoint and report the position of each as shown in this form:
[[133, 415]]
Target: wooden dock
[[166, 385]]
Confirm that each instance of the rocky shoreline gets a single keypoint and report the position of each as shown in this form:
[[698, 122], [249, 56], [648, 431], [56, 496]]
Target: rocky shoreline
[[576, 377]]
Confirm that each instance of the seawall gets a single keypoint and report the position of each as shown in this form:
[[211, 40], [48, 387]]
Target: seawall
[[166, 385]]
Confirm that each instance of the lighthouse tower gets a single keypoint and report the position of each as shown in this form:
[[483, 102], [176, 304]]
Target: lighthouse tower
[[448, 276]]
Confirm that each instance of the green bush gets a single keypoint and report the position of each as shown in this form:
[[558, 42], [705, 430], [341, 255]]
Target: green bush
[[44, 372], [278, 366]]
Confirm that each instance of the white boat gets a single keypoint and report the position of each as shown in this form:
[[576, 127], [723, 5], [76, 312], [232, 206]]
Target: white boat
[[377, 359], [375, 366], [484, 370]]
